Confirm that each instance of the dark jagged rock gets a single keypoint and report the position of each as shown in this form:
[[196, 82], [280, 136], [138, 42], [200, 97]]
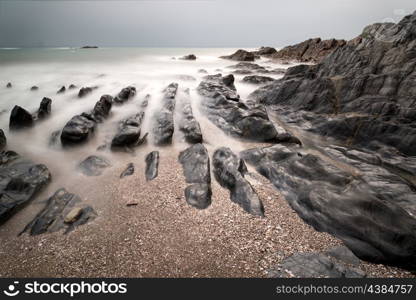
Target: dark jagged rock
[[3, 140], [125, 94], [188, 124], [77, 130], [248, 67], [9, 85], [369, 208], [185, 77], [93, 165], [20, 118], [313, 265], [54, 138], [240, 55], [221, 103], [257, 79], [145, 101], [189, 57], [81, 127], [102, 108], [61, 90], [84, 91], [20, 181], [152, 165], [265, 51], [163, 125], [128, 133], [63, 210], [312, 50], [72, 86], [343, 254], [44, 108], [34, 88], [195, 163], [229, 171], [367, 87], [128, 171]]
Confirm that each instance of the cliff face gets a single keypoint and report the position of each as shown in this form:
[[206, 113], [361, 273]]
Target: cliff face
[[363, 92], [312, 50], [357, 108]]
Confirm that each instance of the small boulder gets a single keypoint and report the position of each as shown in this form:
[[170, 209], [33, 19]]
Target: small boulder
[[44, 108], [61, 90], [128, 171], [93, 165], [34, 88], [20, 118], [9, 85], [240, 55], [257, 79]]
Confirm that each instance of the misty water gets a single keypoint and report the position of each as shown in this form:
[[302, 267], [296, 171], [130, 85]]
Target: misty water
[[110, 69]]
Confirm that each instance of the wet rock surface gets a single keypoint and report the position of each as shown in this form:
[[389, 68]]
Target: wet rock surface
[[63, 211], [265, 51], [189, 57], [229, 171], [223, 107], [240, 55], [21, 180], [81, 127], [312, 50], [44, 108], [195, 164], [163, 124], [152, 165], [313, 265], [20, 118], [84, 91], [188, 125], [125, 94], [128, 133], [257, 79], [93, 165], [3, 140]]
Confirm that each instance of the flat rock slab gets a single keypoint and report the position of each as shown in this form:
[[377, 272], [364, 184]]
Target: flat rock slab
[[152, 165], [229, 171], [196, 168], [223, 107], [313, 265], [93, 165], [63, 210], [20, 181]]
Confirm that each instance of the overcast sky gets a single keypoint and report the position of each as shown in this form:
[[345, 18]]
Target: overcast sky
[[192, 23]]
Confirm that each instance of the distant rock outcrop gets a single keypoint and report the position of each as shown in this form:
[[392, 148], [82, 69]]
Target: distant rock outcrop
[[240, 55]]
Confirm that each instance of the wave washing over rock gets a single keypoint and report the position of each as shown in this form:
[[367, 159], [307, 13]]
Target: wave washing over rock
[[155, 156]]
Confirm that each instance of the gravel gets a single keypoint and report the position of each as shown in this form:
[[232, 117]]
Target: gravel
[[162, 236]]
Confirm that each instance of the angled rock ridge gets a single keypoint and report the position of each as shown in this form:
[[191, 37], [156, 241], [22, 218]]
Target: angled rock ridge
[[363, 93]]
